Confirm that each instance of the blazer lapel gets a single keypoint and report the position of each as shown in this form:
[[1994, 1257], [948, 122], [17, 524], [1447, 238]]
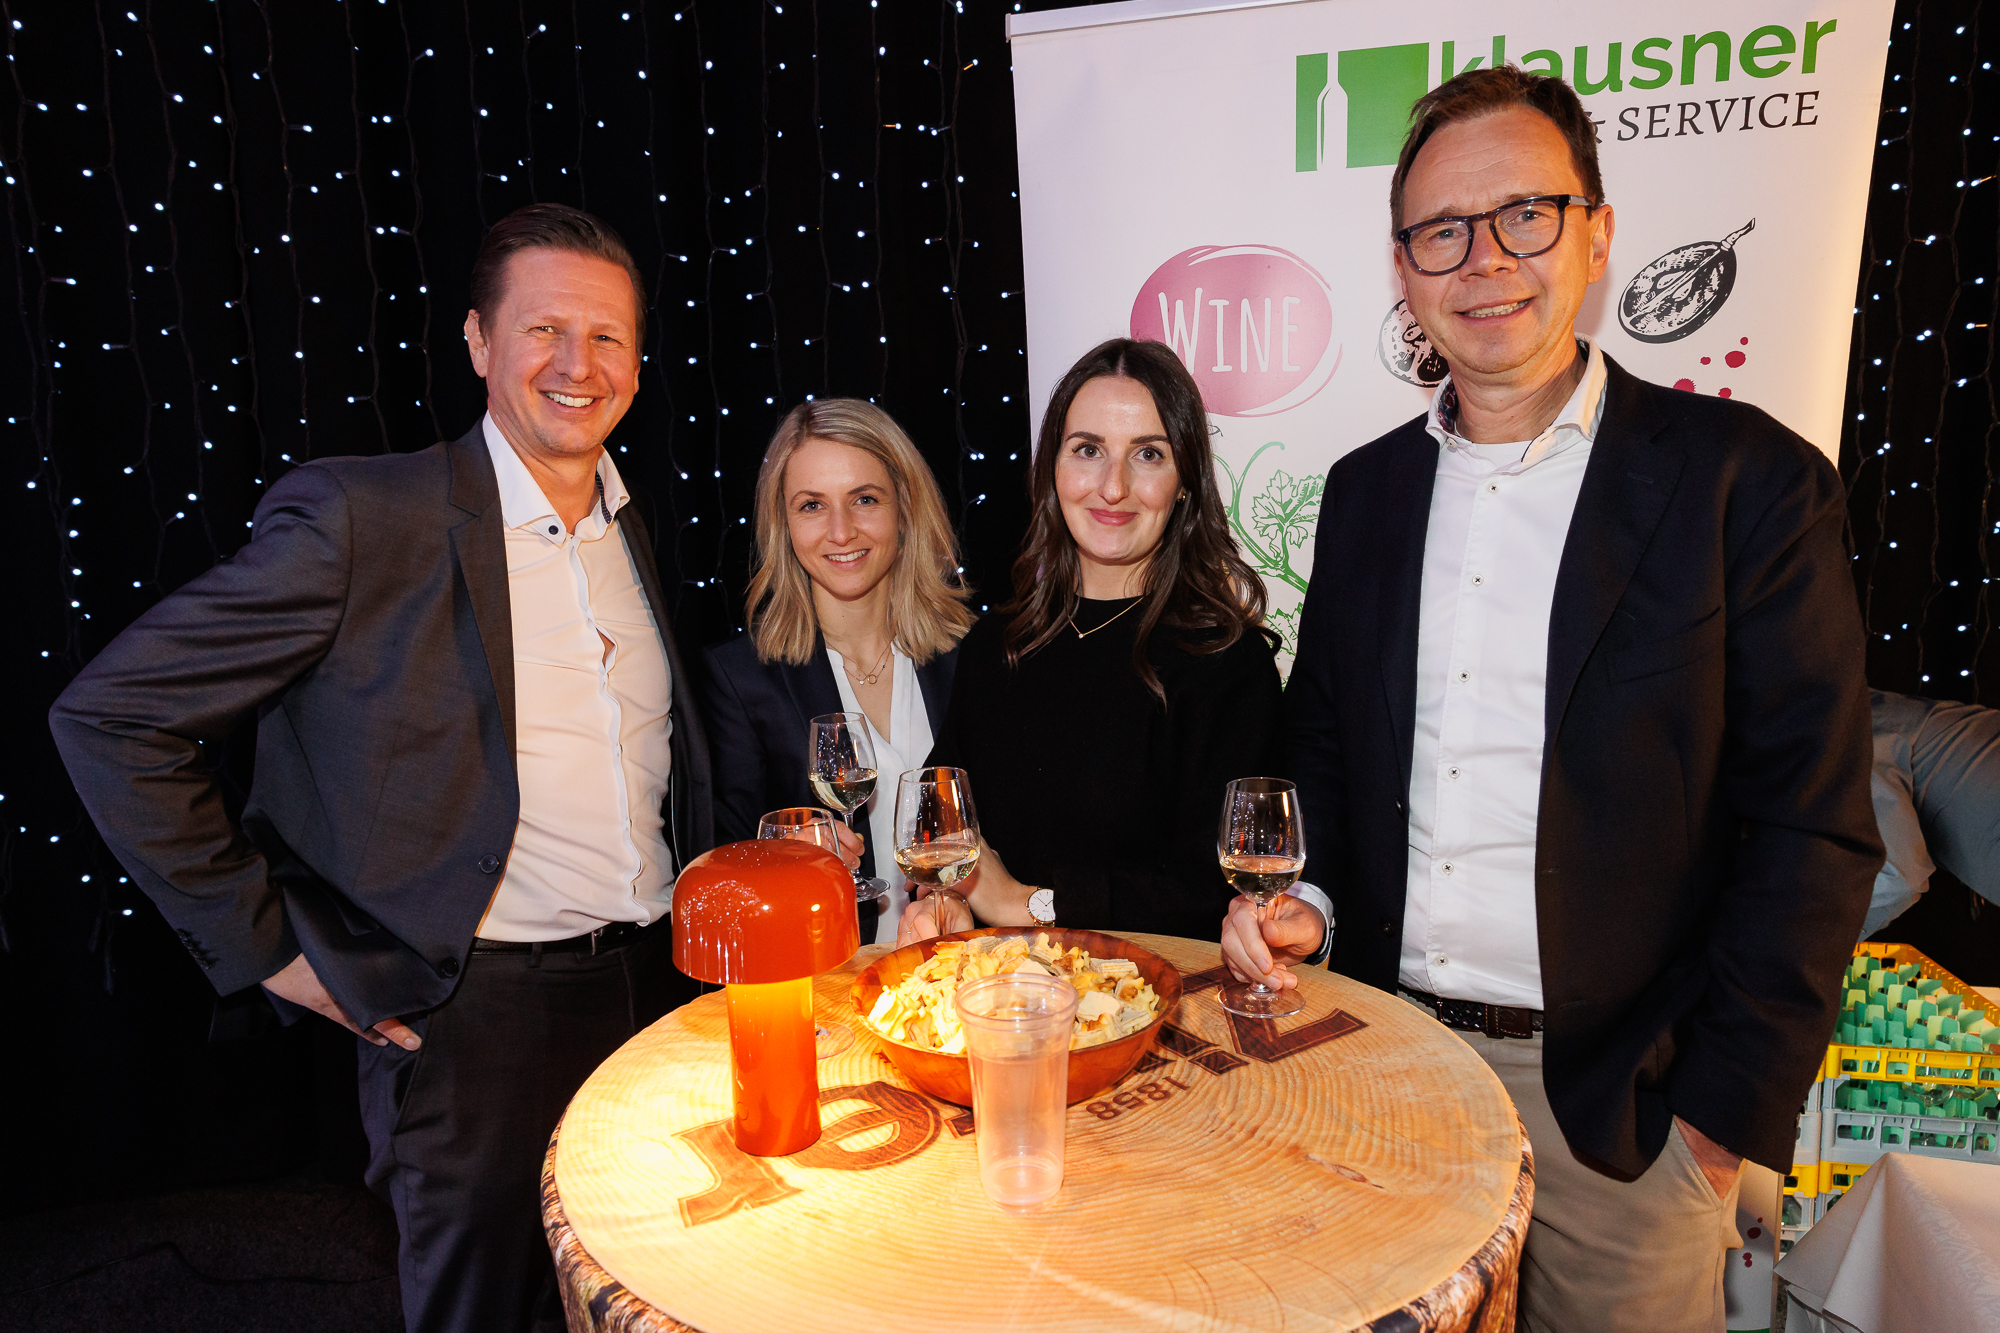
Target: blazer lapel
[[1626, 487], [1403, 519], [934, 679], [812, 687], [480, 545]]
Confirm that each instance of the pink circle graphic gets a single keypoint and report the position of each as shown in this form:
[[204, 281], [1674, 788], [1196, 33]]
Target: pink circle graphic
[[1252, 323]]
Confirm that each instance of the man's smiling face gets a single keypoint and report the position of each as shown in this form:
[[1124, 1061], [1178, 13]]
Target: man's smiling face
[[1498, 316], [561, 356]]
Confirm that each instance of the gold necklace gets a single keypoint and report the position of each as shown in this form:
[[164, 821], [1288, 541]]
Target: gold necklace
[[872, 676], [1086, 633]]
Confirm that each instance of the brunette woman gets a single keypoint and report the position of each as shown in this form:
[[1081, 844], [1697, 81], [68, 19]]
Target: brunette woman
[[855, 607], [1101, 711]]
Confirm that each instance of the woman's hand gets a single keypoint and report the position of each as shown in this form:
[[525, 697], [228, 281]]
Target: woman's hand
[[1262, 946], [851, 844], [995, 895], [921, 919]]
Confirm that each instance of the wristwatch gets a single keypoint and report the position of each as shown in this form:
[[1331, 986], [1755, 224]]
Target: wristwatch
[[1042, 907]]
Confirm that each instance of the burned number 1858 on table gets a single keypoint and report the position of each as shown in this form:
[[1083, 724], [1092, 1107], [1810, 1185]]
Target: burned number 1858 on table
[[1133, 1098]]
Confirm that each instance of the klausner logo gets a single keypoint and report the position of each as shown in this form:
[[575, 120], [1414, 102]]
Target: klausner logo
[[1380, 82], [1252, 323]]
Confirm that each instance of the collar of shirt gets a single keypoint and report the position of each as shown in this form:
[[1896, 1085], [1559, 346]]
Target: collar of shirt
[[1577, 422], [523, 505]]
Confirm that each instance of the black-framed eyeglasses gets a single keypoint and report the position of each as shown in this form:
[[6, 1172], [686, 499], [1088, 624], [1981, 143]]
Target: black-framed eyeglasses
[[1523, 228]]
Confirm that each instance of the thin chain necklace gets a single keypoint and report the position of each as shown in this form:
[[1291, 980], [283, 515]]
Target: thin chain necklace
[[1086, 633], [872, 676]]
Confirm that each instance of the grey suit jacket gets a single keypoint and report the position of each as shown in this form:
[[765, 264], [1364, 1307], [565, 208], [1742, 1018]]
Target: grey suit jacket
[[366, 625]]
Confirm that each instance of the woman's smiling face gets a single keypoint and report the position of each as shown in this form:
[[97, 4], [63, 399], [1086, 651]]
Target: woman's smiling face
[[840, 507], [1117, 483]]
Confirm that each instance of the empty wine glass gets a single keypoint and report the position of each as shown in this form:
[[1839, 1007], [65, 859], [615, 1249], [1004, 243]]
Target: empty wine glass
[[840, 763], [803, 823], [1262, 846], [937, 830]]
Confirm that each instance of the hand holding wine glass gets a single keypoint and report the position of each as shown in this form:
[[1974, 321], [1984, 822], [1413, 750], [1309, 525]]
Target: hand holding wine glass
[[1261, 844], [937, 829], [840, 764]]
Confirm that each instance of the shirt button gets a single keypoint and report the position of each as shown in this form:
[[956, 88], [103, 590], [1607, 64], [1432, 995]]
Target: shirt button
[[448, 968], [1492, 487], [1443, 961], [1478, 580], [489, 863], [1444, 868], [1452, 772], [553, 529], [1464, 676]]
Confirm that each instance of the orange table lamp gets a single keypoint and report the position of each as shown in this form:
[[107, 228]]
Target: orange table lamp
[[763, 918]]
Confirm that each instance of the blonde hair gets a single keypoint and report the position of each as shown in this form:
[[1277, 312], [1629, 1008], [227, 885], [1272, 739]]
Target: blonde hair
[[927, 610]]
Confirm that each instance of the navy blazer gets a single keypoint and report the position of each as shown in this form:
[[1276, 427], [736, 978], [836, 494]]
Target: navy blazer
[[1706, 843], [367, 626], [757, 714]]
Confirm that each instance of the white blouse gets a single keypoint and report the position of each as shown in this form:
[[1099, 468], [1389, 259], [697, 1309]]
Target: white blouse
[[906, 746]]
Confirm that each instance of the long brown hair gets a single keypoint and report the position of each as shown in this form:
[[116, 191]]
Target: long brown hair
[[1195, 580], [927, 611]]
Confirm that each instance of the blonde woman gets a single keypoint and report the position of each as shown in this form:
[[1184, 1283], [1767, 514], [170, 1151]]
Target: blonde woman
[[855, 607]]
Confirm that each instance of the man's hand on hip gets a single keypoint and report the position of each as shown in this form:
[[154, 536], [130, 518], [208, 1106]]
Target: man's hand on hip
[[301, 985], [1716, 1162]]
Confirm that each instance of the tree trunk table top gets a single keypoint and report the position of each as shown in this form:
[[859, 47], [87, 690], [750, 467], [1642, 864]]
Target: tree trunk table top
[[1354, 1167]]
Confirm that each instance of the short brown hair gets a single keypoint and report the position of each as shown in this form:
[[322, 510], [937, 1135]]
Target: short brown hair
[[927, 611], [549, 227], [1480, 92]]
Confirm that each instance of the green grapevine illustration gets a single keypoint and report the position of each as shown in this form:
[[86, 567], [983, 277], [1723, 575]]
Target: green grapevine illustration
[[1280, 523]]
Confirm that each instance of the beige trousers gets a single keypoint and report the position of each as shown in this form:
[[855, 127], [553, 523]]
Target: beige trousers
[[1604, 1255]]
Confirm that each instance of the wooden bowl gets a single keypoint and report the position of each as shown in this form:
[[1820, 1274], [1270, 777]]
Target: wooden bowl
[[1091, 1070]]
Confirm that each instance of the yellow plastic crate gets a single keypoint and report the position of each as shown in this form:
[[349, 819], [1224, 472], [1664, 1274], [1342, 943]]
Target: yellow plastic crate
[[1973, 1070]]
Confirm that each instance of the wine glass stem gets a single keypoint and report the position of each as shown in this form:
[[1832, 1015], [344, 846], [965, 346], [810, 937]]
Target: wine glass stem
[[848, 815]]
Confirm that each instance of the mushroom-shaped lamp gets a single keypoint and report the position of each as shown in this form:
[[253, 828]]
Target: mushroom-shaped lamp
[[763, 918]]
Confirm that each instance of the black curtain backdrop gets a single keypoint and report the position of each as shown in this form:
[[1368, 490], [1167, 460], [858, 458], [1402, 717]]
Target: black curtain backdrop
[[239, 237]]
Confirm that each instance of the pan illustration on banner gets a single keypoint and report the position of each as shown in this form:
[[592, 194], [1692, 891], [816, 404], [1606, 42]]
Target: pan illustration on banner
[[1681, 290], [1406, 353]]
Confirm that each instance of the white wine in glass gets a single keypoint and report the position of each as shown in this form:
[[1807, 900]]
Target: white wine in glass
[[937, 830], [1261, 844], [840, 764]]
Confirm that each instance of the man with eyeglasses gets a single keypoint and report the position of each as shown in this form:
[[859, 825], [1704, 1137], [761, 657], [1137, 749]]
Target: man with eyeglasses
[[1579, 723]]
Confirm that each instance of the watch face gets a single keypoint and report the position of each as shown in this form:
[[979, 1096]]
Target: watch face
[[1042, 905]]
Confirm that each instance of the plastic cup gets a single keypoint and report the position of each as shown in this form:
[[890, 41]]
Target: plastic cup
[[1017, 1030]]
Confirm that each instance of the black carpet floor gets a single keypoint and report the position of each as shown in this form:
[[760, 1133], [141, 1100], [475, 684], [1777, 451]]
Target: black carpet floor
[[297, 1253]]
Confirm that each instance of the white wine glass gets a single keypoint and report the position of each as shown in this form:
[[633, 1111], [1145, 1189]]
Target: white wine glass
[[937, 830], [1262, 847], [802, 823], [809, 823], [840, 764]]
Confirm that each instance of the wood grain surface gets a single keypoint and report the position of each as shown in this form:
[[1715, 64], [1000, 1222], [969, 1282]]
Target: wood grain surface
[[1354, 1167]]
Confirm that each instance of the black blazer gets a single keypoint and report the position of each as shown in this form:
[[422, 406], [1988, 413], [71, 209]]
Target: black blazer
[[367, 625], [757, 714], [1705, 844]]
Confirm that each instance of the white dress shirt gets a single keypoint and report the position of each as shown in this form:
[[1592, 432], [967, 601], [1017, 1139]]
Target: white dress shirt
[[906, 746], [591, 731], [1500, 514]]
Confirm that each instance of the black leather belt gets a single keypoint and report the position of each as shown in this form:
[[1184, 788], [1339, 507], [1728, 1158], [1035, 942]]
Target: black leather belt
[[1495, 1020], [616, 935]]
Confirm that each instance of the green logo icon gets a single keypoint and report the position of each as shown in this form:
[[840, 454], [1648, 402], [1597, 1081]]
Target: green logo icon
[[1381, 82]]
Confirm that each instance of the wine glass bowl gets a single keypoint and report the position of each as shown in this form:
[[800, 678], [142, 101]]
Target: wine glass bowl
[[840, 765], [803, 823], [1261, 845], [937, 829]]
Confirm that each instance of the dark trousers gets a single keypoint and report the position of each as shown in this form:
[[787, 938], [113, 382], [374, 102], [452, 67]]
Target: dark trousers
[[458, 1128]]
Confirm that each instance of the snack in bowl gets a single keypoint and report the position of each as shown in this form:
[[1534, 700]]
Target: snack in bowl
[[1113, 1000], [947, 1076]]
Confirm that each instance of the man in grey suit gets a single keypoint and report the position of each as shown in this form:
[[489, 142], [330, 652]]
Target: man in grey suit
[[478, 767]]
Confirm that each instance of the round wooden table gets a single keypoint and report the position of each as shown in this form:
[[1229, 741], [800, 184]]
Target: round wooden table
[[1354, 1167]]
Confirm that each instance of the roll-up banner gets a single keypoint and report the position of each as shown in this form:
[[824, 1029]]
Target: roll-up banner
[[1216, 176]]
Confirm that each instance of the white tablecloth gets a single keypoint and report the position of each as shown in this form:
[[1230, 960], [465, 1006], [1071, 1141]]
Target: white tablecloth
[[1914, 1246]]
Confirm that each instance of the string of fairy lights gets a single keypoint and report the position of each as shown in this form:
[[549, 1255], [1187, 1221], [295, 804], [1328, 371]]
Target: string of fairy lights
[[240, 236]]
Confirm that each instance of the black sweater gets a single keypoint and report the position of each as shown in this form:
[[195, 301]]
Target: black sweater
[[1087, 785]]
